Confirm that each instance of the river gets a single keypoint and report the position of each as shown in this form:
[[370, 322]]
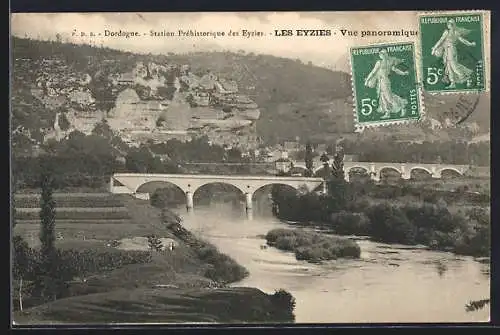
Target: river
[[389, 283]]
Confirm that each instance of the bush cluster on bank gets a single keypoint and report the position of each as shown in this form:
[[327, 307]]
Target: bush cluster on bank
[[223, 269], [466, 232], [95, 261], [311, 246], [70, 264], [285, 305]]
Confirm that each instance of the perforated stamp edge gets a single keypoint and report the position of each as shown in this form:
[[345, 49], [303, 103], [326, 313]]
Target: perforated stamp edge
[[359, 127], [486, 49]]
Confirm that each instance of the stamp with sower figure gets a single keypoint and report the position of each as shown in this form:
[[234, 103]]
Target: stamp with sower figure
[[385, 85], [451, 47]]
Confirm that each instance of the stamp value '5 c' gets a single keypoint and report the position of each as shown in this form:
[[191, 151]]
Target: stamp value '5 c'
[[452, 52], [385, 85]]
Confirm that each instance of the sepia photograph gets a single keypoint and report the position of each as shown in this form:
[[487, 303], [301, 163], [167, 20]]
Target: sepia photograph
[[250, 167]]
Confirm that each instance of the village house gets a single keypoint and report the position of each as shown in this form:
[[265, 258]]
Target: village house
[[83, 97], [207, 82], [321, 148], [291, 146], [125, 79]]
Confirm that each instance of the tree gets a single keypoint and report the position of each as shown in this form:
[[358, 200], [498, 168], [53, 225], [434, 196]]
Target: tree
[[47, 283], [309, 159], [22, 266], [137, 160], [103, 129], [155, 243], [338, 161], [325, 160], [47, 215], [64, 123]]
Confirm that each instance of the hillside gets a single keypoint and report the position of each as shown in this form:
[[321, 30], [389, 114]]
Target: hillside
[[233, 98], [149, 305]]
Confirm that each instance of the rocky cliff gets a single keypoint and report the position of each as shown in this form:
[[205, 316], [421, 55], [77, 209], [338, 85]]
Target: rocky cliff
[[234, 98], [149, 97]]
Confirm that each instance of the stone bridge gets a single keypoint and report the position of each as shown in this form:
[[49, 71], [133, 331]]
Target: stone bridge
[[404, 169], [130, 183]]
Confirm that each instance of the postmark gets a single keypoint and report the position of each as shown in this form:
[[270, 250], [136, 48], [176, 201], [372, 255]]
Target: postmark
[[466, 104], [452, 52], [385, 85]]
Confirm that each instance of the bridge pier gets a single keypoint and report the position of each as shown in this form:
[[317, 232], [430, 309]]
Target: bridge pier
[[250, 215], [434, 173], [248, 205], [346, 176], [248, 201], [189, 201], [405, 173]]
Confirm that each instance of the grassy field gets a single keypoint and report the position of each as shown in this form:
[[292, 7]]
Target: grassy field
[[143, 305], [83, 226], [89, 200], [131, 293]]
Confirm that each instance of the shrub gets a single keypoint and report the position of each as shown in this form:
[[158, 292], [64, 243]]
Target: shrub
[[286, 242], [154, 243], [166, 197], [225, 270], [390, 224], [284, 303], [346, 223], [312, 246], [80, 263], [313, 254], [273, 235]]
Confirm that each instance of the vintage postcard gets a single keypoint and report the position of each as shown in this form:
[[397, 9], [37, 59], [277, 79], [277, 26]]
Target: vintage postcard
[[250, 167], [452, 48]]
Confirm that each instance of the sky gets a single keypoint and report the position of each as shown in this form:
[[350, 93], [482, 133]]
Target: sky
[[330, 52]]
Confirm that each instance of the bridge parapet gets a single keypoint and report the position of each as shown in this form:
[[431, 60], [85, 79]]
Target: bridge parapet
[[189, 184], [404, 169]]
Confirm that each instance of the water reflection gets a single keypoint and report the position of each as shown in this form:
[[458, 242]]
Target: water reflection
[[441, 268], [389, 283]]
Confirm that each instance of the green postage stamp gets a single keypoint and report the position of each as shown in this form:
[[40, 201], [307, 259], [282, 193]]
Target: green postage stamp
[[452, 52], [385, 85]]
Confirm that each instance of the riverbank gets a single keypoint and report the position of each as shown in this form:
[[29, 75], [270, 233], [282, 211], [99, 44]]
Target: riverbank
[[388, 283], [165, 287], [354, 209]]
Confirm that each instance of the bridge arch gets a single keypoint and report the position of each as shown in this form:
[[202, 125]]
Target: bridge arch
[[262, 199], [420, 168], [272, 184], [449, 169], [150, 186], [358, 167], [218, 183], [381, 173], [420, 172], [162, 193]]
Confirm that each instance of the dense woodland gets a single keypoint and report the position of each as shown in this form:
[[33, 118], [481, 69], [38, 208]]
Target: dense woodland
[[393, 215]]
